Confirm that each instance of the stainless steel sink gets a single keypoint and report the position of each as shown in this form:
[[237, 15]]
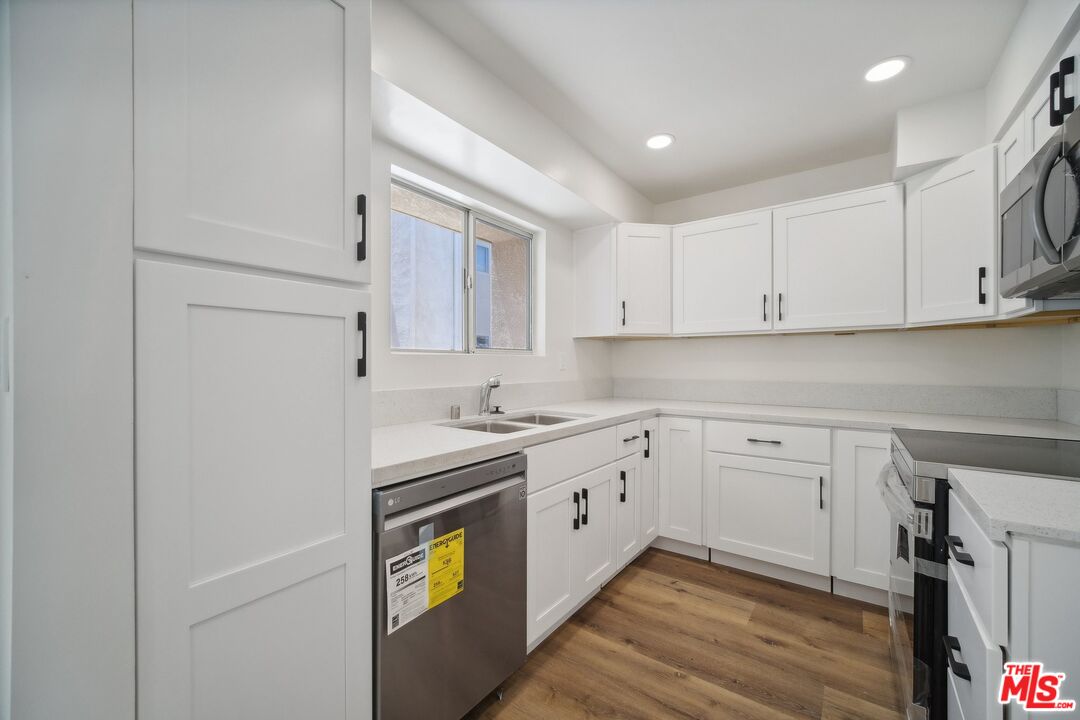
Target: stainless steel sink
[[541, 419], [506, 424], [494, 426]]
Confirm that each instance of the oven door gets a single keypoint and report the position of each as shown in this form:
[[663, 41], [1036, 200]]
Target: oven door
[[912, 675]]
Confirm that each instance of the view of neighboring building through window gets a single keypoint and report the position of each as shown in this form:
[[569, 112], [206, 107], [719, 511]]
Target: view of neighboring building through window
[[430, 243]]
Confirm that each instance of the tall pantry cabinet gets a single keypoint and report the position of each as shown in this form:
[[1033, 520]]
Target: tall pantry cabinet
[[252, 162]]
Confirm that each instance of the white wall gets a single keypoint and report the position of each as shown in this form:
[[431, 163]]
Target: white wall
[[1016, 357], [863, 172], [1070, 357], [73, 595], [7, 415], [391, 371], [414, 56], [939, 130]]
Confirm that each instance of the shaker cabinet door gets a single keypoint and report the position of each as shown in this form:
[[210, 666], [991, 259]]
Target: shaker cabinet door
[[253, 132]]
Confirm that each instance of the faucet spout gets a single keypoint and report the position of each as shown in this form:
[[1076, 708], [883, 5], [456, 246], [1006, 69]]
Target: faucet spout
[[485, 393]]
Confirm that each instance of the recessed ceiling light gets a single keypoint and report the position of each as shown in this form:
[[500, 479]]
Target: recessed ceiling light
[[887, 68], [661, 141]]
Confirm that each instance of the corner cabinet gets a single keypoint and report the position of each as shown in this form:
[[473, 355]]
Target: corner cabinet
[[252, 133], [838, 262], [680, 479], [622, 280], [722, 275]]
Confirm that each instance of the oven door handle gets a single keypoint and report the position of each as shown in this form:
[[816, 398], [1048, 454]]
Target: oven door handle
[[1038, 212], [958, 668]]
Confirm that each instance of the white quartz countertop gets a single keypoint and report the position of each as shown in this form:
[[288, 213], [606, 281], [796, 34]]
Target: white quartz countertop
[[403, 452], [1020, 504]]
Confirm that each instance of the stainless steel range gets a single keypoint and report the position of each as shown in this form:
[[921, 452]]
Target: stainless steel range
[[918, 496]]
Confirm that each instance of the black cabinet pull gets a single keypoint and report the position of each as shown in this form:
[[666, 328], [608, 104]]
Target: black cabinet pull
[[361, 327], [622, 494], [780, 307], [361, 210], [632, 438], [624, 312], [648, 445], [577, 511], [956, 546], [1063, 105], [958, 668], [982, 281], [821, 492], [764, 307], [765, 442], [585, 512]]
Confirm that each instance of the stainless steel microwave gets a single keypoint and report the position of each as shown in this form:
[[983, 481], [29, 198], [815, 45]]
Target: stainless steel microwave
[[1040, 221]]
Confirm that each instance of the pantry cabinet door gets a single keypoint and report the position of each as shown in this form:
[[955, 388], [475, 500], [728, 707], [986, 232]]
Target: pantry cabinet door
[[860, 520], [627, 508], [838, 262], [722, 274], [650, 482], [771, 510], [643, 279], [951, 241], [551, 586], [253, 499], [253, 132], [680, 479], [593, 554]]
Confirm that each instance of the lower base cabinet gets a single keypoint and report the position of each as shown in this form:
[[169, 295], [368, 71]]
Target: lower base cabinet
[[860, 520], [680, 479], [627, 509], [770, 510], [649, 498]]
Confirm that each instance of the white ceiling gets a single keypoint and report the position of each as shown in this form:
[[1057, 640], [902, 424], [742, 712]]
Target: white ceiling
[[751, 89]]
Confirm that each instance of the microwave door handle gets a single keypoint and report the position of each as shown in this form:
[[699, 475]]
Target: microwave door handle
[[1042, 234]]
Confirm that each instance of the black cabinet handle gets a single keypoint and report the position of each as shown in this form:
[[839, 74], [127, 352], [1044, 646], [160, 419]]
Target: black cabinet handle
[[585, 512], [982, 281], [361, 327], [361, 210], [764, 307], [956, 546], [765, 442], [821, 492], [780, 307], [648, 444], [632, 438], [577, 511], [958, 668], [624, 312], [1063, 105], [622, 494]]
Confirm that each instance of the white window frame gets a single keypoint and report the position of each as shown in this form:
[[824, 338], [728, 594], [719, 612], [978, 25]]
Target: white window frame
[[468, 281]]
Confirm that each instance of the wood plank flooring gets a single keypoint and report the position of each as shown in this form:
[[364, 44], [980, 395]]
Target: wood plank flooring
[[674, 637]]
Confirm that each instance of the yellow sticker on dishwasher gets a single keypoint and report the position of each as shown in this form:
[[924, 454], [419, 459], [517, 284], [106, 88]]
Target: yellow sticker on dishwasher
[[446, 567]]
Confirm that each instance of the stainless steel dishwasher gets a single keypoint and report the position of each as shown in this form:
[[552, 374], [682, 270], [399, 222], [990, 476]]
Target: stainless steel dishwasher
[[449, 589]]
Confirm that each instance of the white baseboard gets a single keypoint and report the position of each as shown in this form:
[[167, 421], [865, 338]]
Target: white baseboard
[[777, 572], [682, 548], [871, 595]]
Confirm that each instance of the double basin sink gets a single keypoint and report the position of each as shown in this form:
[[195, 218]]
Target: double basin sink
[[515, 423]]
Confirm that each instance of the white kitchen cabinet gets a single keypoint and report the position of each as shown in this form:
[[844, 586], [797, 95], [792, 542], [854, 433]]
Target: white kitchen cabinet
[[860, 520], [1012, 153], [594, 553], [838, 262], [643, 279], [627, 508], [552, 590], [680, 479], [771, 510], [722, 275], [253, 133], [649, 496], [951, 241], [253, 499]]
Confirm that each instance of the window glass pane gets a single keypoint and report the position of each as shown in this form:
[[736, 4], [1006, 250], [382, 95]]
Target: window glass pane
[[502, 288], [427, 261]]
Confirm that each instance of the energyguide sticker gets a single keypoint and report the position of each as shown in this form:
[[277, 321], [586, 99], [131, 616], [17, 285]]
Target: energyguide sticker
[[424, 577]]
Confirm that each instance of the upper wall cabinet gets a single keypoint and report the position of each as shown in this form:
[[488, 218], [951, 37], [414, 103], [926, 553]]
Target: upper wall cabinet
[[253, 132], [951, 258], [722, 275], [622, 280], [838, 262], [643, 279]]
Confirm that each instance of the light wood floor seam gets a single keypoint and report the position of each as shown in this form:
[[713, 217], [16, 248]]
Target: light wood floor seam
[[675, 637]]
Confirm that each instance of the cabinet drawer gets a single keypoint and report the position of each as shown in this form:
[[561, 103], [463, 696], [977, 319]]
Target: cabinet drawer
[[628, 438], [559, 460], [783, 442], [986, 577], [980, 656]]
